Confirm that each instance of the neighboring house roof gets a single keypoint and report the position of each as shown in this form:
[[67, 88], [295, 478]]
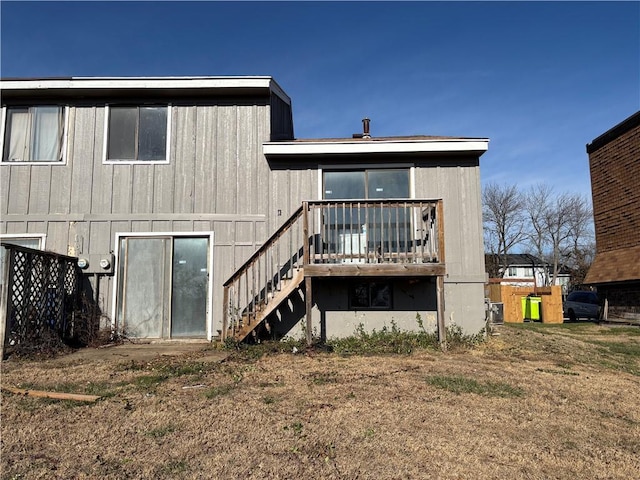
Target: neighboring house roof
[[517, 259], [90, 86], [615, 265], [614, 132], [526, 260]]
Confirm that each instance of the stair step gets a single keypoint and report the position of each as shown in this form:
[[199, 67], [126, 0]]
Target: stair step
[[264, 309]]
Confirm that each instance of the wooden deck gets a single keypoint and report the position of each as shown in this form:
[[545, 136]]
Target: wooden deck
[[358, 238]]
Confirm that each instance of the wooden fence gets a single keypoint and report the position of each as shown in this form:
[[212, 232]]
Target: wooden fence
[[511, 297]]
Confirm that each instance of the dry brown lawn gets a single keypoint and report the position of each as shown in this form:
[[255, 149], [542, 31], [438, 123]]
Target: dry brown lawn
[[535, 402]]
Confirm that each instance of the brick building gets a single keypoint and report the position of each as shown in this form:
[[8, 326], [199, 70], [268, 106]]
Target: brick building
[[614, 162]]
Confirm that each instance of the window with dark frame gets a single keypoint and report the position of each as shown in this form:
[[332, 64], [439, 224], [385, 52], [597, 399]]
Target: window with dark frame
[[369, 184], [137, 133], [371, 296], [34, 134]]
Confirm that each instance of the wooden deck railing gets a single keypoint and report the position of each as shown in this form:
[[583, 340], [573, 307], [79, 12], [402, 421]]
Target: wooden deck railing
[[333, 233], [384, 231]]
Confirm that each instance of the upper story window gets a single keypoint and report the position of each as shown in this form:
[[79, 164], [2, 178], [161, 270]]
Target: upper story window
[[34, 134], [366, 183], [137, 133]]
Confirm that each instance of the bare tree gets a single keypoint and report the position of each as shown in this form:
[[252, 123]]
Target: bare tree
[[580, 251], [503, 216], [537, 203], [559, 227]]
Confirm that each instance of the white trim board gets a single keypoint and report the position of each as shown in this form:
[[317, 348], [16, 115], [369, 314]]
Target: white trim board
[[386, 146], [163, 83]]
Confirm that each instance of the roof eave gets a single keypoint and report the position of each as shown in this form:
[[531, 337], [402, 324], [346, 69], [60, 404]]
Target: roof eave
[[460, 145], [122, 84]]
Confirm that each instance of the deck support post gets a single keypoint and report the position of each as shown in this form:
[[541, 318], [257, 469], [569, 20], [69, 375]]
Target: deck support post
[[442, 331], [308, 299], [306, 252]]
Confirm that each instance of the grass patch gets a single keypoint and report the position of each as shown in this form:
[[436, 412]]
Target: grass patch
[[296, 428], [150, 382], [171, 468], [459, 384], [220, 390], [621, 356], [557, 372], [626, 331], [161, 372], [193, 369], [619, 348], [323, 378], [160, 431], [175, 369], [252, 352], [577, 328]]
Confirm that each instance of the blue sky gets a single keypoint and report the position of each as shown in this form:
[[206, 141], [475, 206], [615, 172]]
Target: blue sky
[[539, 79]]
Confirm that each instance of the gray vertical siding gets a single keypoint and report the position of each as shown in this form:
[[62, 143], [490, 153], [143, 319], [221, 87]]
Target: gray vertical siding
[[39, 198], [217, 180], [457, 182]]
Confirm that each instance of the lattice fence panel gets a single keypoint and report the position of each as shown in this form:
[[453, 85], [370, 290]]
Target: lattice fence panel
[[43, 297]]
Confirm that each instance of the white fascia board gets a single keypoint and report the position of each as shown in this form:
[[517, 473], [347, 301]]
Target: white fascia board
[[345, 148], [165, 83]]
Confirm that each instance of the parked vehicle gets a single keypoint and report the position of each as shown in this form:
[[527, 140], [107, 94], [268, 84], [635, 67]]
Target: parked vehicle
[[582, 304]]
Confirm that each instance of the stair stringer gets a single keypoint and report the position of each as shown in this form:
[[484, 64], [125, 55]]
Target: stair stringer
[[274, 302]]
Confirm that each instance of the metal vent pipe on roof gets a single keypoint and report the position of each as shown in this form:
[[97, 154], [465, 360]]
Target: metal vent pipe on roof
[[365, 128]]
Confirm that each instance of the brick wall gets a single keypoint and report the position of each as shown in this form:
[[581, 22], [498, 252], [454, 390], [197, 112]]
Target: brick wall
[[615, 185]]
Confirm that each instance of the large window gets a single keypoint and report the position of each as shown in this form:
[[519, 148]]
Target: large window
[[366, 184], [137, 134], [355, 231], [34, 134]]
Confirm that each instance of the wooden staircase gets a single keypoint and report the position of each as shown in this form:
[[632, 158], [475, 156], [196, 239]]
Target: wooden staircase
[[248, 323], [265, 280]]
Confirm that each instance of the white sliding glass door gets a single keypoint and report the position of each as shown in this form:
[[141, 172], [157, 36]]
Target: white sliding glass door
[[163, 286]]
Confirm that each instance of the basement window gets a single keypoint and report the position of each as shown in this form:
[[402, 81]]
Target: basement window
[[370, 296], [34, 134], [137, 134]]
